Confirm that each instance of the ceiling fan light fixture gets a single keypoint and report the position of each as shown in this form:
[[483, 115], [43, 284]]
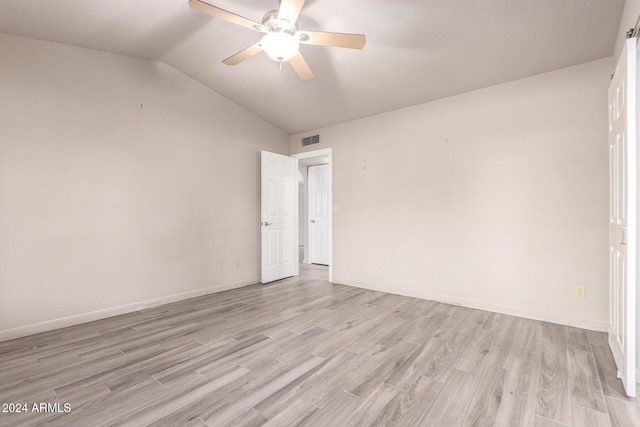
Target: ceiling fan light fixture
[[280, 46]]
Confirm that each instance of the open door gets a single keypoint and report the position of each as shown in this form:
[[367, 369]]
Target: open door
[[623, 216], [319, 214], [279, 224]]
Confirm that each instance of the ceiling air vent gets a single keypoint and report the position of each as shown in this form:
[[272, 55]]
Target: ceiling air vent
[[314, 139]]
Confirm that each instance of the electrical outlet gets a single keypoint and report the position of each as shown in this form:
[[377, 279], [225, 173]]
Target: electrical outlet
[[360, 265], [579, 291], [229, 265]]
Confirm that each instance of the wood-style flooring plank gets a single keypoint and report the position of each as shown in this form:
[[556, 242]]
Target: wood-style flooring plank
[[373, 409], [584, 382], [504, 331], [345, 338], [414, 365], [223, 396], [552, 395], [408, 408], [79, 395], [83, 372], [611, 384], [420, 328], [227, 412], [476, 352], [28, 418], [249, 418], [363, 387], [166, 406], [200, 361], [483, 408], [577, 338], [443, 362], [598, 338], [199, 423], [373, 337], [539, 421], [335, 412], [623, 414], [114, 406], [585, 417], [295, 415], [518, 399], [552, 338], [448, 407], [304, 385], [414, 307], [288, 351], [527, 346], [462, 321], [330, 383], [34, 417]]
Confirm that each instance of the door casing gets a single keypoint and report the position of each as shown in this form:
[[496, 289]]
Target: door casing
[[325, 152]]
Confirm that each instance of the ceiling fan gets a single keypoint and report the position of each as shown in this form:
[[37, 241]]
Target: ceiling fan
[[282, 37]]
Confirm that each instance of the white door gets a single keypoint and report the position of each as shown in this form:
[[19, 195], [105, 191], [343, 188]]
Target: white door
[[622, 217], [278, 205], [319, 214]]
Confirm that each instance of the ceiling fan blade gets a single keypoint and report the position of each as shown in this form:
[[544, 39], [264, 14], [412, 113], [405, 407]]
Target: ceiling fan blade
[[351, 41], [243, 55], [301, 67], [289, 10], [203, 7]]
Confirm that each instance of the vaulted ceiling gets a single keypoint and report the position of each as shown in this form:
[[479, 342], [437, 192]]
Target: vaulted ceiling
[[417, 50]]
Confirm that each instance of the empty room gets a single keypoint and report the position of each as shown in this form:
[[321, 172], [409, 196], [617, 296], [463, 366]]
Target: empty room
[[319, 213]]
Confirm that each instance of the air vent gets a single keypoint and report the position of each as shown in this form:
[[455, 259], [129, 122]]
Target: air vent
[[314, 139]]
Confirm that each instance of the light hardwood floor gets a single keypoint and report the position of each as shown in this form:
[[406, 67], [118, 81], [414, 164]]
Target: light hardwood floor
[[305, 352]]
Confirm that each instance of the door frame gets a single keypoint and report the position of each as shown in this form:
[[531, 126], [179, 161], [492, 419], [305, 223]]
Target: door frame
[[321, 153]]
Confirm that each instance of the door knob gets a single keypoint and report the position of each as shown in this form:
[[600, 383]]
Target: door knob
[[266, 224], [312, 221]]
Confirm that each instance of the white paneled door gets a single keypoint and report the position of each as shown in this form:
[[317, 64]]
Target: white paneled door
[[622, 217], [278, 205], [319, 215]]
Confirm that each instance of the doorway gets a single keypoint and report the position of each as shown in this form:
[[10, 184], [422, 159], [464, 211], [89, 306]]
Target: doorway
[[315, 211]]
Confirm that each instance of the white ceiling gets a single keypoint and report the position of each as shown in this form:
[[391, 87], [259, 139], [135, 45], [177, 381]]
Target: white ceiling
[[417, 50]]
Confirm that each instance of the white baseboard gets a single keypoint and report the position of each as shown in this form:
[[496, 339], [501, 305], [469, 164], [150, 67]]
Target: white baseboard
[[77, 319], [128, 308], [484, 305]]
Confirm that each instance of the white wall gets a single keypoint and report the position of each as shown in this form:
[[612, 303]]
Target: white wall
[[121, 181], [494, 199]]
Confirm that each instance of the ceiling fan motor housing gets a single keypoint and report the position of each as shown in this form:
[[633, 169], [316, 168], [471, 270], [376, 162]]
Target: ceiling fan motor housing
[[271, 21]]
